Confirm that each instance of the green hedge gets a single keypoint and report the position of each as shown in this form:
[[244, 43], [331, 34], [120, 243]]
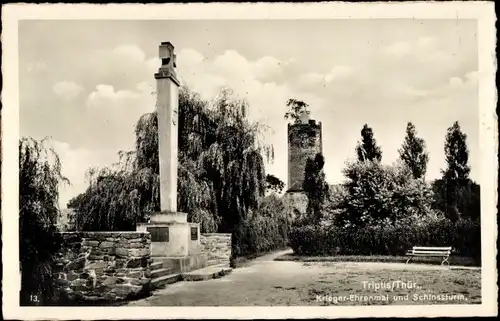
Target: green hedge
[[464, 236]]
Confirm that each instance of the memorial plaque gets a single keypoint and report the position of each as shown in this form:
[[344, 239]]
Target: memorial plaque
[[194, 233], [159, 234]]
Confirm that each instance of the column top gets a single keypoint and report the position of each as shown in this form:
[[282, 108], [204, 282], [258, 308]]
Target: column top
[[168, 62]]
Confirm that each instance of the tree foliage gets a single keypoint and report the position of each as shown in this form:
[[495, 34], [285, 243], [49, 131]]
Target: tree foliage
[[274, 184], [296, 108], [315, 187], [468, 200], [367, 149], [413, 153], [266, 228], [455, 183], [456, 153], [39, 179], [221, 174], [378, 193]]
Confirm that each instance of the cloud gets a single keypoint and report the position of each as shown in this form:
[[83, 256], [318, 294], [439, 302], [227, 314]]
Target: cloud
[[67, 90], [122, 67], [268, 68], [114, 113], [105, 94], [130, 53], [256, 82], [338, 72], [311, 80], [75, 163]]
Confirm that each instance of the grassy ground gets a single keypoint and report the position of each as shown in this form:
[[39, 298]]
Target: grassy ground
[[266, 282], [454, 260], [384, 284]]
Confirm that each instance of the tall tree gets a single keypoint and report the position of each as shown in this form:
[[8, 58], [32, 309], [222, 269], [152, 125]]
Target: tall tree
[[367, 149], [456, 174], [413, 153], [39, 180], [457, 153], [295, 109], [221, 170], [315, 187]]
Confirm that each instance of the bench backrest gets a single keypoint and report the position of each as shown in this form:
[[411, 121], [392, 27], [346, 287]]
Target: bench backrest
[[431, 250]]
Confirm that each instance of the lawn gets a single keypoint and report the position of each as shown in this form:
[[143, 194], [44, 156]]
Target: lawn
[[393, 283]]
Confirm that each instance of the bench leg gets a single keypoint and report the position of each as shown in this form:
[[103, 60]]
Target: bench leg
[[445, 259], [411, 257]]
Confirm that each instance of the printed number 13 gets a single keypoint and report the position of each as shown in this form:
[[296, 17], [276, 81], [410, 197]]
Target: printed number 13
[[33, 298]]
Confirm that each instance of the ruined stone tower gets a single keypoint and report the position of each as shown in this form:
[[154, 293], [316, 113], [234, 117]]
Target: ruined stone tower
[[304, 141]]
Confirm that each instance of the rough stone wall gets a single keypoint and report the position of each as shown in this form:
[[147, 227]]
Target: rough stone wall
[[304, 141], [102, 266], [217, 247]]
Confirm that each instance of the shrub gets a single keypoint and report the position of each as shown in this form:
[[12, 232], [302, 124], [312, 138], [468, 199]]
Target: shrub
[[376, 193], [388, 239]]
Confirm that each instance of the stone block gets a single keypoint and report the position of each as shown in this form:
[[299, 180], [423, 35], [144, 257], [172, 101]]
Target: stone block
[[97, 265], [110, 280], [134, 262], [124, 290], [76, 265], [121, 252], [135, 274], [106, 244], [92, 243], [109, 270], [122, 280], [139, 252]]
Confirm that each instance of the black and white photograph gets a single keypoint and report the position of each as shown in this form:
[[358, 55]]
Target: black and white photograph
[[324, 161]]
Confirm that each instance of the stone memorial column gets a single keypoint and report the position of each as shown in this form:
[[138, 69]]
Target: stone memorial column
[[171, 234], [167, 104]]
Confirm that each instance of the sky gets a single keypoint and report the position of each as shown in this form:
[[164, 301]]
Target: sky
[[85, 83]]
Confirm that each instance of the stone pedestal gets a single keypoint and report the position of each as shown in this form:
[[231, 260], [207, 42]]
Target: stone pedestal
[[172, 235]]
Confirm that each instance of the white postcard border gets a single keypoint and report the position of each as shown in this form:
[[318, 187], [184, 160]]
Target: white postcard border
[[482, 11]]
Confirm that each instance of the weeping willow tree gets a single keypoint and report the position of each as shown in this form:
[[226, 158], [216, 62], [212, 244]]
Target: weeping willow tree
[[221, 170], [39, 180]]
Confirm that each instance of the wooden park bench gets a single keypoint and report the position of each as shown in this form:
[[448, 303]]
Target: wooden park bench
[[443, 252]]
